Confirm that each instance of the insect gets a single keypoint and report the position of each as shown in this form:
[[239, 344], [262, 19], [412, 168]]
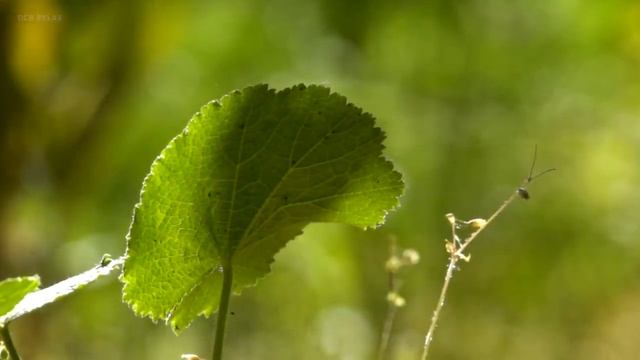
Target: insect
[[522, 190], [105, 260]]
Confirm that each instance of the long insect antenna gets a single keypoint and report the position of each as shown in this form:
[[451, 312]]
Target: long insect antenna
[[522, 190], [533, 163], [541, 173]]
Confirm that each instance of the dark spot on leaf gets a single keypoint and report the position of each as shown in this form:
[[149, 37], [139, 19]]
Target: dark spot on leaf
[[233, 313], [285, 198], [293, 162], [241, 127], [209, 194]]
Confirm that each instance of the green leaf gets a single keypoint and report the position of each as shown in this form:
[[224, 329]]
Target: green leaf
[[13, 290], [246, 175], [32, 300]]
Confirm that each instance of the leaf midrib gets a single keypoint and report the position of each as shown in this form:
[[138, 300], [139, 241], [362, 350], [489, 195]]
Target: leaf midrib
[[224, 254], [249, 229]]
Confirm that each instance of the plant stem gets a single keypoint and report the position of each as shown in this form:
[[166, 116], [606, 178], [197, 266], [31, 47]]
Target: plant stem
[[454, 257], [493, 216], [386, 332], [391, 308], [8, 343], [436, 313], [223, 310]]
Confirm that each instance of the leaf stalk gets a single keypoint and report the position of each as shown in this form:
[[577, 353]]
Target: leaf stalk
[[225, 295]]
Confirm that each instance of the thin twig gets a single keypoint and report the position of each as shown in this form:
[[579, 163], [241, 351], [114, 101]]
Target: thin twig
[[436, 313], [493, 216], [453, 260], [386, 332], [456, 252], [392, 309], [393, 265]]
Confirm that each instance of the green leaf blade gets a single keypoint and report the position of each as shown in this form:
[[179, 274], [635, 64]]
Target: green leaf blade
[[13, 290], [244, 178]]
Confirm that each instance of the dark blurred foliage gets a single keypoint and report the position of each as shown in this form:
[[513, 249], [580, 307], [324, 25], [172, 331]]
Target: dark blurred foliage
[[90, 92]]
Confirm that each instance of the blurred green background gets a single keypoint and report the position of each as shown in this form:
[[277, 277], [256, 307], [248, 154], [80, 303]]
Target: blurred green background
[[90, 92]]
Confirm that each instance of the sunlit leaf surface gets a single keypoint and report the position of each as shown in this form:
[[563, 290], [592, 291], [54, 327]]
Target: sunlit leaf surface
[[246, 176]]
